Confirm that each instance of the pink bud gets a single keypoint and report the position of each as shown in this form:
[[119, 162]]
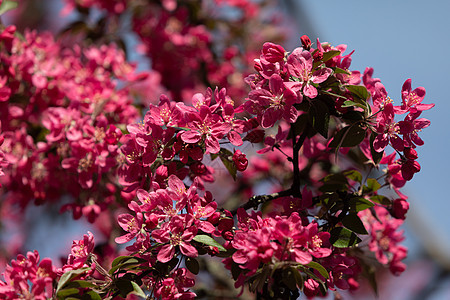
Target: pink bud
[[410, 153], [240, 160], [272, 52], [399, 208], [306, 42]]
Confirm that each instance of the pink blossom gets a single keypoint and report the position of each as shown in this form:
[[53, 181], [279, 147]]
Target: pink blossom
[[300, 65]]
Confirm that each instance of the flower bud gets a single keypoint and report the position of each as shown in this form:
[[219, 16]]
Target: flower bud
[[410, 153], [272, 52], [399, 208], [240, 160], [306, 42]]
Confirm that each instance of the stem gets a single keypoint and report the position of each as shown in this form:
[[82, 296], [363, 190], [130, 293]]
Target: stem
[[255, 201], [296, 181]]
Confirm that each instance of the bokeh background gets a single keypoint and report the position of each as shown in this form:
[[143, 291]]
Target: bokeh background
[[400, 40]]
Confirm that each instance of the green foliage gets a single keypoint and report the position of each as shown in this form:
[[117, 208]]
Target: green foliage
[[207, 240]]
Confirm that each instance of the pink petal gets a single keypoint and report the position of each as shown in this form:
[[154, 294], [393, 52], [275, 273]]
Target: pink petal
[[166, 253]]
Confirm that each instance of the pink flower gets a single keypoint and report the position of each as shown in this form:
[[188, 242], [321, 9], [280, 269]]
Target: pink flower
[[80, 251], [300, 65], [207, 127], [273, 104], [176, 232], [130, 223], [412, 100]]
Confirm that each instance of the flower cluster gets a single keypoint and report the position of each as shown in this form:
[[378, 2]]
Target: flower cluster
[[28, 278], [69, 127]]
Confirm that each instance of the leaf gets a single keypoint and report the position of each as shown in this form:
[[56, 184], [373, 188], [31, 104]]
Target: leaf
[[119, 259], [7, 5], [349, 103], [299, 126], [354, 223], [289, 279], [66, 277], [343, 238], [372, 185], [81, 284], [207, 240], [330, 54], [124, 286], [353, 116], [192, 265], [137, 290], [91, 295], [226, 157], [298, 277], [319, 117], [125, 261], [359, 91], [353, 175], [319, 268], [381, 199], [334, 182], [349, 136], [62, 294], [358, 204], [338, 70]]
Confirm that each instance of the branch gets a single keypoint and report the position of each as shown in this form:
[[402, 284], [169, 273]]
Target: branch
[[255, 201], [296, 181]]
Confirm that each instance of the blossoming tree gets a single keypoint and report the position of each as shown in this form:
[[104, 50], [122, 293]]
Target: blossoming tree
[[315, 155]]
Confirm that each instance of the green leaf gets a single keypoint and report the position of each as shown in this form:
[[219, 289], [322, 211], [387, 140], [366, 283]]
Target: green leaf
[[192, 265], [358, 204], [353, 222], [343, 238], [330, 54], [227, 158], [124, 262], [334, 182], [353, 175], [353, 116], [338, 70], [372, 185], [359, 91], [298, 277], [381, 199], [349, 103], [7, 5], [319, 268], [349, 136], [62, 294], [214, 156], [137, 290], [66, 277], [124, 286], [80, 284], [319, 117], [207, 240], [91, 295]]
